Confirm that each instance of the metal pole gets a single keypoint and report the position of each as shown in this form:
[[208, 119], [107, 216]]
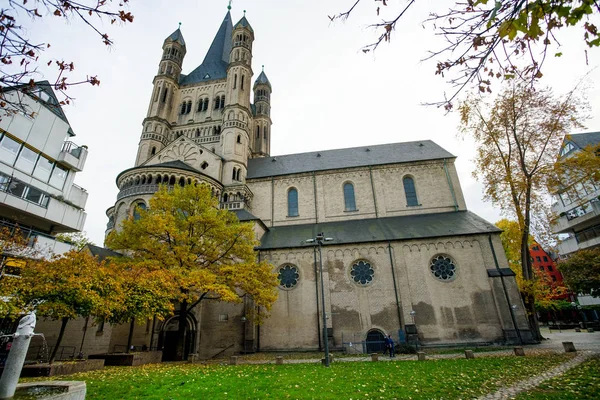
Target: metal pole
[[325, 341]]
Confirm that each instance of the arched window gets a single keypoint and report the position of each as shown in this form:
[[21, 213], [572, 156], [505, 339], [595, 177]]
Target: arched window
[[189, 107], [234, 174], [164, 95], [349, 201], [225, 197], [242, 83], [265, 133], [292, 202], [239, 138], [238, 175], [136, 212], [205, 104], [258, 132], [222, 101], [410, 192], [182, 108], [234, 80]]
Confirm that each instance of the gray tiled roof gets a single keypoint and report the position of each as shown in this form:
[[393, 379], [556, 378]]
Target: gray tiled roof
[[216, 60], [101, 252], [244, 23], [585, 139], [245, 215], [262, 79], [346, 158], [176, 36], [379, 229]]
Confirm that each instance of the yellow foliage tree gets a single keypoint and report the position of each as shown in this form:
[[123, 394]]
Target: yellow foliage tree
[[71, 285], [203, 251]]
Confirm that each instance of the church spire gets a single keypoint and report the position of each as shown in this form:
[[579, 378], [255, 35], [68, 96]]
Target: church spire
[[221, 45]]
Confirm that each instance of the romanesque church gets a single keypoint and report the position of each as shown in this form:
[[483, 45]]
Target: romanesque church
[[406, 257]]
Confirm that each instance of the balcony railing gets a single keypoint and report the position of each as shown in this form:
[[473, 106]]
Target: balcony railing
[[232, 205], [73, 155], [138, 189]]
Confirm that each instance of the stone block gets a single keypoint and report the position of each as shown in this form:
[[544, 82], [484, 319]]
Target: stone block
[[279, 360], [233, 360], [421, 356], [374, 357], [469, 354], [519, 351], [569, 347], [71, 390], [129, 359], [60, 368]]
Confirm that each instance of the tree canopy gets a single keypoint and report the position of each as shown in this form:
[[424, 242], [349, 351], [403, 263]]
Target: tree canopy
[[581, 271], [20, 55], [202, 251], [486, 40], [517, 136]]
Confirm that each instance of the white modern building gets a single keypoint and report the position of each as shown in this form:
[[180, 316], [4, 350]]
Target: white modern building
[[578, 207], [38, 163]]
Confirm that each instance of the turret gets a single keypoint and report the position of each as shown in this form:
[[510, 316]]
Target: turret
[[155, 127], [237, 115], [261, 136]]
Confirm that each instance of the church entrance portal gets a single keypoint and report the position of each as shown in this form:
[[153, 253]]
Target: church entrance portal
[[167, 340], [375, 341]]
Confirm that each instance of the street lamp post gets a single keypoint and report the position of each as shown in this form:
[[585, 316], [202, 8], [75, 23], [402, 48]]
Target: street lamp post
[[412, 316], [318, 240]]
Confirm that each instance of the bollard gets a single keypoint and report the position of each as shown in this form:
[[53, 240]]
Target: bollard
[[279, 360], [233, 360], [519, 351], [421, 356], [569, 347], [374, 357], [192, 358], [469, 354]]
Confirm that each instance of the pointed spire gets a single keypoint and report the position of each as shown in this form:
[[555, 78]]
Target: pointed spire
[[243, 23], [262, 79], [221, 45], [176, 36]]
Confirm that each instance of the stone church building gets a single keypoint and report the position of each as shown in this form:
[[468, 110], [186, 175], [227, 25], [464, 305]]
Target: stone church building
[[406, 257]]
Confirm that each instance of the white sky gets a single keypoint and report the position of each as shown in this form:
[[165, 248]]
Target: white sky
[[326, 93]]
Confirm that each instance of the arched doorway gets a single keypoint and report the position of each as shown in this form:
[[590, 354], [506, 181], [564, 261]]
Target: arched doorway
[[167, 340], [375, 341]]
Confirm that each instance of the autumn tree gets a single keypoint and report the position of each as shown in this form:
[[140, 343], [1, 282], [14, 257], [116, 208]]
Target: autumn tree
[[581, 165], [485, 40], [581, 271], [67, 286], [517, 137], [204, 251], [78, 239], [21, 55]]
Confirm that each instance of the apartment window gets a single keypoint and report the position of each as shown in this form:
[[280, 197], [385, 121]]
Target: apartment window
[[410, 191], [4, 181], [550, 268], [26, 160], [59, 176], [9, 149], [292, 202], [553, 278], [545, 259], [37, 196], [538, 259], [541, 268], [349, 200], [17, 188]]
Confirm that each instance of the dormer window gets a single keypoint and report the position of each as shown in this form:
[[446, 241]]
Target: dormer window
[[567, 148]]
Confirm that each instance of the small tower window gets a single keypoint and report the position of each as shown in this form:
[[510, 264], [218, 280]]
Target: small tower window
[[223, 101], [189, 107], [234, 81], [234, 174], [153, 152], [136, 212], [239, 139], [242, 83], [265, 133], [258, 132], [205, 107], [182, 108], [292, 202], [164, 95], [238, 174]]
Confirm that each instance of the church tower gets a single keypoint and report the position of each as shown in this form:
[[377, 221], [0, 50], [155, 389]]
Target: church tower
[[261, 143], [156, 132], [237, 115]]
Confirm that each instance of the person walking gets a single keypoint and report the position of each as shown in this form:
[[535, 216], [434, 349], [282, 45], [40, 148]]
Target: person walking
[[390, 345]]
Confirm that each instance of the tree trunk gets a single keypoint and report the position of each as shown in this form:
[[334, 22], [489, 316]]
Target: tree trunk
[[130, 337], [529, 298], [63, 325], [183, 311]]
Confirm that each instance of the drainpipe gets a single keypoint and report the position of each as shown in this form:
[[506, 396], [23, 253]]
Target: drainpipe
[[373, 190], [395, 286], [512, 313], [317, 298], [315, 193], [450, 185]]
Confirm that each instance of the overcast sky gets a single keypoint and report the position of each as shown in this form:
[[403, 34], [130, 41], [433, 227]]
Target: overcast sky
[[327, 94]]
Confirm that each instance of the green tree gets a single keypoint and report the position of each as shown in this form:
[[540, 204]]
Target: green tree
[[486, 39], [205, 251], [78, 239], [20, 55], [65, 287], [517, 139], [581, 271]]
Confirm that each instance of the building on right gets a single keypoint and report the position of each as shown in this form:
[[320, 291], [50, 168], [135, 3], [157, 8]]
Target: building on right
[[577, 206]]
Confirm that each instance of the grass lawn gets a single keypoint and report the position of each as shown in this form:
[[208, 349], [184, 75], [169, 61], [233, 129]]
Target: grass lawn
[[432, 379], [581, 382]]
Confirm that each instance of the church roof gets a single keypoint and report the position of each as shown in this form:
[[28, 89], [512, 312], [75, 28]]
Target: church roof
[[406, 227], [245, 215], [243, 23], [382, 154], [101, 252], [262, 79], [176, 36], [216, 60]]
